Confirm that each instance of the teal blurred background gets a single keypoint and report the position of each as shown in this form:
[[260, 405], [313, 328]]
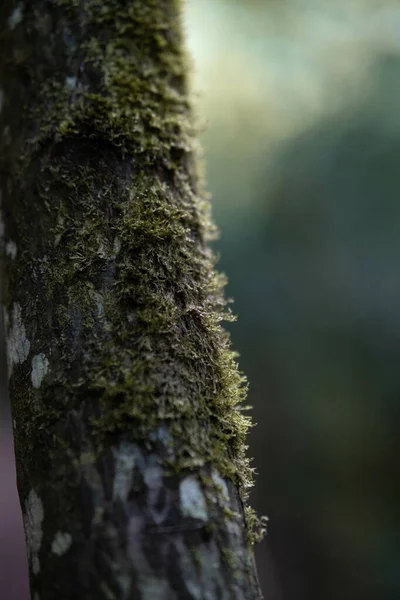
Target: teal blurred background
[[299, 104], [299, 101]]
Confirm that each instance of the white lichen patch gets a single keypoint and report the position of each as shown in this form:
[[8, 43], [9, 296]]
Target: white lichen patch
[[71, 82], [117, 246], [193, 503], [124, 463], [18, 345], [153, 478], [221, 486], [16, 17], [99, 304], [102, 250], [11, 249], [40, 368], [33, 519], [61, 543]]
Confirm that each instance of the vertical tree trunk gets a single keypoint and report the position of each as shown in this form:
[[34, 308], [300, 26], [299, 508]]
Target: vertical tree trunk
[[130, 448]]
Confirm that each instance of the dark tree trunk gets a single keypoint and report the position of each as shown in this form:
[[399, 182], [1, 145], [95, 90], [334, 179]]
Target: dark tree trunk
[[130, 448]]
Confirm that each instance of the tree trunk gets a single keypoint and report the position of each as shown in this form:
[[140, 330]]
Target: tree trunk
[[130, 447]]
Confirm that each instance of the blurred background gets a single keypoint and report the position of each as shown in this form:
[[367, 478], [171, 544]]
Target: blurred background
[[299, 104], [299, 101]]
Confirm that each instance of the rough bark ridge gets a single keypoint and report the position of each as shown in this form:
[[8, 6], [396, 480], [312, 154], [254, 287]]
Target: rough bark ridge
[[130, 447]]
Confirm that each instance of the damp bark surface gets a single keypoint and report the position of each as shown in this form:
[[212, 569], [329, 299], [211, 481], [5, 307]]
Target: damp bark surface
[[130, 440]]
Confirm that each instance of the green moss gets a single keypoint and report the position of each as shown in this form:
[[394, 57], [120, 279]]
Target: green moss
[[231, 559], [256, 526], [139, 105]]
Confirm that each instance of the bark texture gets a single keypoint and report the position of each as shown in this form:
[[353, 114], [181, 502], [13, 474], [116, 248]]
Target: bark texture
[[130, 445]]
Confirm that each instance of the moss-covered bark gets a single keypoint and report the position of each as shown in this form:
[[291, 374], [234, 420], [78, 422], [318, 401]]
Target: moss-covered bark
[[129, 442]]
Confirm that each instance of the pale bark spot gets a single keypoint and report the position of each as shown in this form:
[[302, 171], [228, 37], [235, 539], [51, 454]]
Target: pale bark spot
[[71, 82], [33, 518], [11, 249], [193, 503], [117, 246], [16, 17], [100, 305], [40, 367], [61, 543], [18, 345], [221, 486], [153, 478]]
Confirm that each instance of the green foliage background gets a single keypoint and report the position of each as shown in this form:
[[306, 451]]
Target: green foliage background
[[300, 105]]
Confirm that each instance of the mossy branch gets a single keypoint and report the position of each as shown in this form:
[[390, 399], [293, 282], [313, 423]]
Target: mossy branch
[[130, 441]]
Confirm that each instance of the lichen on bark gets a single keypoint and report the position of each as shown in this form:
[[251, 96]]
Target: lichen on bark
[[126, 393]]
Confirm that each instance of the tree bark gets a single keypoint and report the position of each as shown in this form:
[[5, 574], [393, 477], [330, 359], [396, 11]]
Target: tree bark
[[130, 446]]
